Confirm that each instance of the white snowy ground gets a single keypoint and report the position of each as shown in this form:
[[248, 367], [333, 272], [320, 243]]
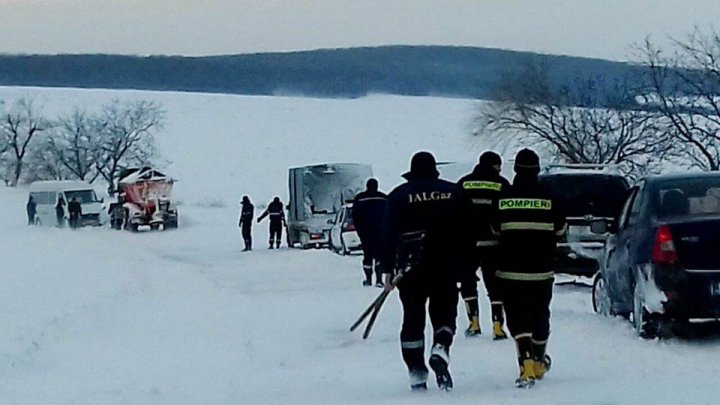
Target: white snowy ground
[[97, 316]]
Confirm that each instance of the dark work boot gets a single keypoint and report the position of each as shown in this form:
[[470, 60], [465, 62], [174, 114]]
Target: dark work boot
[[440, 363]]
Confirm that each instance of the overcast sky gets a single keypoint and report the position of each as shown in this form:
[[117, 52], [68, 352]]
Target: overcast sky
[[596, 28]]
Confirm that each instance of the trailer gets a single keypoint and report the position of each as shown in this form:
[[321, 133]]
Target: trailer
[[317, 193]]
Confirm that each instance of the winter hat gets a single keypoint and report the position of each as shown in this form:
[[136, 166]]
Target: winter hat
[[246, 200], [527, 162], [490, 159], [372, 184], [422, 165]]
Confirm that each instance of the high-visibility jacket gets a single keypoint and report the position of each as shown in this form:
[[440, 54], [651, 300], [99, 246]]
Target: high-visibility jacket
[[481, 190], [528, 221]]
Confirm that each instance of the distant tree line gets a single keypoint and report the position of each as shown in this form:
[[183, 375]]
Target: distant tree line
[[670, 113], [79, 144], [404, 70]]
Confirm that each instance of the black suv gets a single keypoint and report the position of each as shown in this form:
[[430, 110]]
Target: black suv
[[587, 193]]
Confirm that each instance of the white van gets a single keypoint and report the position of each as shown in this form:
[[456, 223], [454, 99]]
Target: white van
[[47, 193]]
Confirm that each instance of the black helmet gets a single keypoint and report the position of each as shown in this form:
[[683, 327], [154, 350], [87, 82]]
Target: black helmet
[[490, 159], [372, 184], [422, 165], [527, 161], [276, 199], [246, 199]]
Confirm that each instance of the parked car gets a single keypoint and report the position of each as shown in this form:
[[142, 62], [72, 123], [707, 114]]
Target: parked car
[[343, 236], [661, 266], [47, 193], [587, 193]]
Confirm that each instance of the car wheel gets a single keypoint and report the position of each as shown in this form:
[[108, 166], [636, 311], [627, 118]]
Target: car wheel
[[646, 325], [600, 297]]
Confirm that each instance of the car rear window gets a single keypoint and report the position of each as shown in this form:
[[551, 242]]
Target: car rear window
[[688, 197], [580, 195], [348, 215]]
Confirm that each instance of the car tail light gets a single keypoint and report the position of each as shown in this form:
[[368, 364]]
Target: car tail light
[[348, 227], [316, 236], [664, 249]]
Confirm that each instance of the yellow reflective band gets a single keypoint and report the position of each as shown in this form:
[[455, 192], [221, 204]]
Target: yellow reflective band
[[525, 204], [482, 185], [524, 276], [527, 226]]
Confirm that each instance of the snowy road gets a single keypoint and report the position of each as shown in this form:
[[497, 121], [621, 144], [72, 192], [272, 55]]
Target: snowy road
[[103, 317]]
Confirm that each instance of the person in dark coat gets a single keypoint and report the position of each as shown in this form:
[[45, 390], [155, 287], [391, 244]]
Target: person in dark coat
[[425, 242], [368, 210], [276, 211], [31, 208], [245, 224], [60, 212], [529, 221], [481, 189], [74, 212]]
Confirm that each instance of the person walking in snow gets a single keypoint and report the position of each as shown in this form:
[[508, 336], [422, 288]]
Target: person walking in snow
[[426, 243], [31, 208], [481, 189], [245, 224], [60, 212], [528, 220], [74, 212], [276, 212], [368, 210]]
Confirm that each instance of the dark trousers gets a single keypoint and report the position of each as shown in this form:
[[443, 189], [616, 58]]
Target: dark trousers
[[60, 220], [275, 233], [487, 261], [74, 220], [371, 256], [31, 219], [415, 292], [246, 231], [527, 306]]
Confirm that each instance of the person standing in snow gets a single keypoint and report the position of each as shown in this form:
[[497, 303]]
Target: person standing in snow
[[481, 189], [368, 210], [74, 212], [426, 243], [245, 224], [277, 220], [529, 221], [60, 212], [31, 208]]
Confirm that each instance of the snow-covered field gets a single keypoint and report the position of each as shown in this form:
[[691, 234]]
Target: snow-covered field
[[96, 316]]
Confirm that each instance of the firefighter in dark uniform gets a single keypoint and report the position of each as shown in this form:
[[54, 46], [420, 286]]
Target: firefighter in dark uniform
[[245, 223], [74, 212], [421, 225], [277, 218], [529, 221], [481, 189], [368, 210]]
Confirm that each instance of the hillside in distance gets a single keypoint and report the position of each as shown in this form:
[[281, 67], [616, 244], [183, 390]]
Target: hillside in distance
[[444, 71]]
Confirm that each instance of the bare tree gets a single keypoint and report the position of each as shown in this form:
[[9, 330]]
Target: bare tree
[[126, 136], [588, 121], [684, 89], [75, 143], [19, 126]]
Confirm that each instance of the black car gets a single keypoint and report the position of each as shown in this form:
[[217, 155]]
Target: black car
[[587, 193], [661, 266]]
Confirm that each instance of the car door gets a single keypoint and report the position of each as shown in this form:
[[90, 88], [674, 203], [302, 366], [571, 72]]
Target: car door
[[616, 245], [335, 230], [626, 260]]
